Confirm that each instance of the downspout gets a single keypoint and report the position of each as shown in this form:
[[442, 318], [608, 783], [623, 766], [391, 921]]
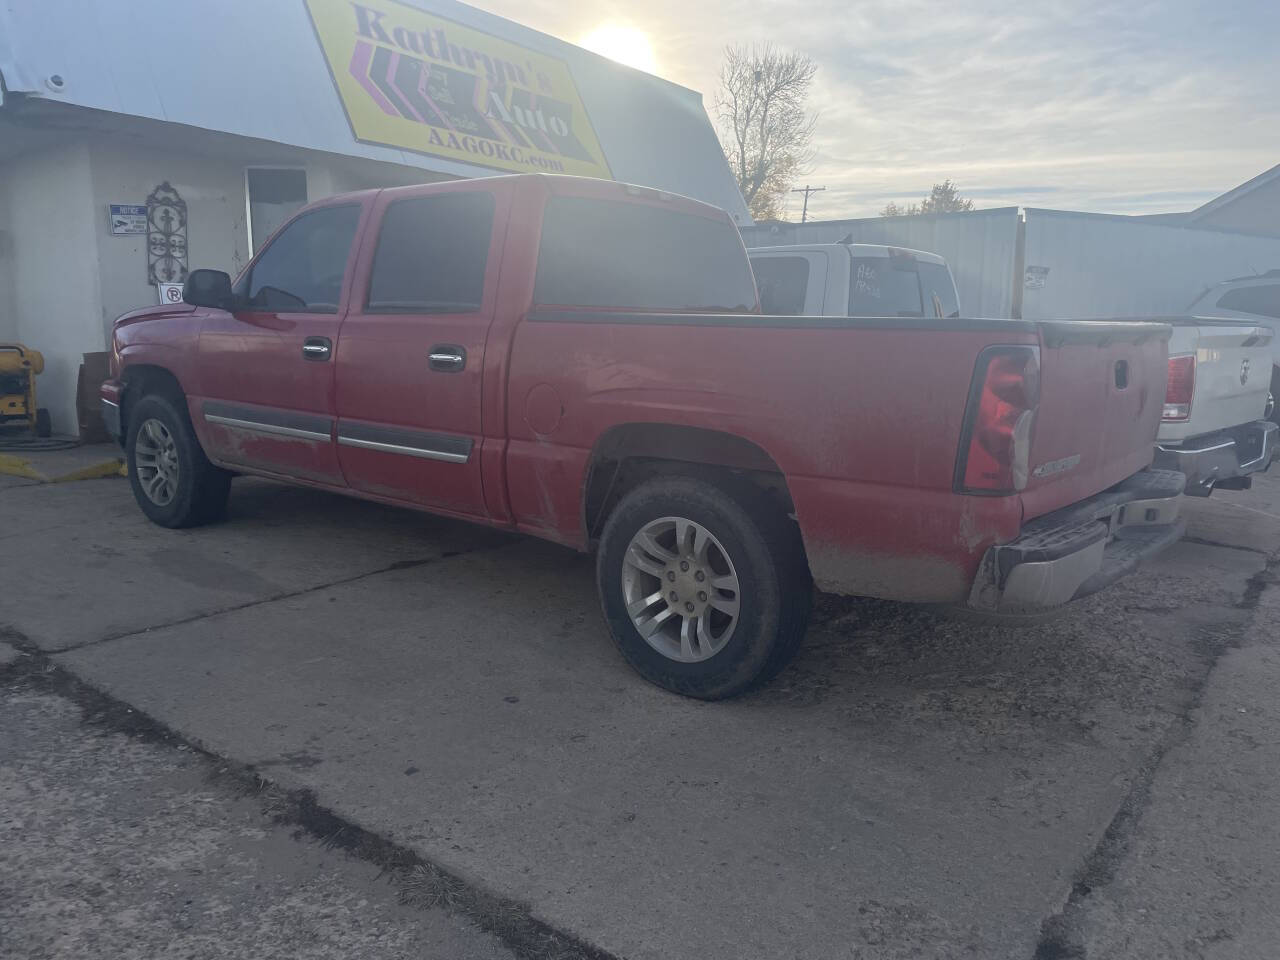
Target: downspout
[[1019, 265]]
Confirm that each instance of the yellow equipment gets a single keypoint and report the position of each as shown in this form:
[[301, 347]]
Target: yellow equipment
[[18, 368]]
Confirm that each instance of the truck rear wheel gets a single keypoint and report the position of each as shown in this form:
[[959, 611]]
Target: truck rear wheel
[[173, 481], [706, 592]]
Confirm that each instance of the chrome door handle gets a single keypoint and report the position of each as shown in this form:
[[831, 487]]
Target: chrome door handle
[[447, 358], [317, 348]]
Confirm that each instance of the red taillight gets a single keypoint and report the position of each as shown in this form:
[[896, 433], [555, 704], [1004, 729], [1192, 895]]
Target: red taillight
[[1182, 386], [996, 441]]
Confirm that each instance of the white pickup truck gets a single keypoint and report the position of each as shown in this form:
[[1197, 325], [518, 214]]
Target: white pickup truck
[[1219, 388], [1216, 400], [853, 280]]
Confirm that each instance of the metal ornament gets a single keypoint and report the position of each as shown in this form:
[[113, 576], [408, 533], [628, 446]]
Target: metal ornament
[[166, 236]]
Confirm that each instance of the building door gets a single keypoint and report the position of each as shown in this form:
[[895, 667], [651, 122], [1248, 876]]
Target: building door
[[411, 350], [267, 368]]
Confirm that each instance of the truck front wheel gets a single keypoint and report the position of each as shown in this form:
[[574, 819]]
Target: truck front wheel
[[706, 592], [173, 481]]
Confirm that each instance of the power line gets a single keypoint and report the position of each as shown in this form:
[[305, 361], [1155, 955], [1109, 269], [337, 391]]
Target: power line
[[806, 190]]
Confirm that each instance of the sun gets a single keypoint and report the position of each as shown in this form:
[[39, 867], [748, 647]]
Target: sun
[[624, 44]]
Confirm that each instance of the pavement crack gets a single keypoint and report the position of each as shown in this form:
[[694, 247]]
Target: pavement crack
[[1226, 546], [418, 880], [286, 595], [1060, 933]]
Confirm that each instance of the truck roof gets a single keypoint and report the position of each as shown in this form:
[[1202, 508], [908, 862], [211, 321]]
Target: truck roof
[[553, 183], [854, 250]]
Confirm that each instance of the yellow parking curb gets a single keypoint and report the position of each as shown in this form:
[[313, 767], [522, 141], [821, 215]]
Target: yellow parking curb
[[18, 467], [15, 466]]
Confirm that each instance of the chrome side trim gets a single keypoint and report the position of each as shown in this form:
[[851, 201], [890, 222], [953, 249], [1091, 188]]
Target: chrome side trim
[[109, 403], [270, 428], [425, 454]]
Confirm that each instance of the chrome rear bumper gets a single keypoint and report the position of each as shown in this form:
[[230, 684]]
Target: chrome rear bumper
[[1225, 459], [1082, 548]]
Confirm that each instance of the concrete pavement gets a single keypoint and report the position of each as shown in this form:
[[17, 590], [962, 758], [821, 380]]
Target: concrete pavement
[[911, 786], [112, 847]]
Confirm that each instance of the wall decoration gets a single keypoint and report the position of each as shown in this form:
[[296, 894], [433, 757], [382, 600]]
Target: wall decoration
[[166, 236]]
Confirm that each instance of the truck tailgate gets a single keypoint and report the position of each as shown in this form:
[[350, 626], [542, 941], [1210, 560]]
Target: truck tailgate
[[1101, 395], [1232, 375]]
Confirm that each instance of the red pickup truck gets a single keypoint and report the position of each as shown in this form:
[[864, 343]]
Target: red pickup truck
[[584, 361]]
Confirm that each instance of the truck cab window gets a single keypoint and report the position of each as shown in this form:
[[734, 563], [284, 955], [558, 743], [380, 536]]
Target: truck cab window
[[432, 254], [782, 282], [640, 256], [884, 287], [302, 269], [939, 290], [1264, 300]]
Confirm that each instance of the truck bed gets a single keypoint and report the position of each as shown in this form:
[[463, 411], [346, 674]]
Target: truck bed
[[862, 416]]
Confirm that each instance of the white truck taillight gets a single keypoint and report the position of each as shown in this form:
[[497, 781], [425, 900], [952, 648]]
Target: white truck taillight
[[1181, 387], [995, 441]]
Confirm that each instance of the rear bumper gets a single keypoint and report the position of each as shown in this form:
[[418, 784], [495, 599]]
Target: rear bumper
[[1080, 549], [1228, 455]]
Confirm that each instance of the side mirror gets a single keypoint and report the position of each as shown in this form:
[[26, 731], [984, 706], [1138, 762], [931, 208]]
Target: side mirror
[[208, 288]]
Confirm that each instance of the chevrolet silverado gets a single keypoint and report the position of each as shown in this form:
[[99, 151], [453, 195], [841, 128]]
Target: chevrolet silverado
[[585, 361]]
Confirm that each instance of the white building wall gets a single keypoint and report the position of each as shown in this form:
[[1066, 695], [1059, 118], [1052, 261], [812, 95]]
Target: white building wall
[[214, 190], [53, 268], [64, 277], [1111, 266], [8, 316]]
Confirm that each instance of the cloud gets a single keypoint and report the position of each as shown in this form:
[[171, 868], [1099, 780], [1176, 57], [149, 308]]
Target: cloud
[[1137, 107]]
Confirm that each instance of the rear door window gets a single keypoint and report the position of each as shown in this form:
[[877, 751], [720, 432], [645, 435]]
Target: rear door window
[[606, 253], [884, 287], [432, 254], [1263, 300], [302, 270], [939, 290], [782, 283]]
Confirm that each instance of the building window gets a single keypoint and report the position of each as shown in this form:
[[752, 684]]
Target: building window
[[275, 194]]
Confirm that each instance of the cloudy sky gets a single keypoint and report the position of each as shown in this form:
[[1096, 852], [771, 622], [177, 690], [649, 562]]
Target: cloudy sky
[[1113, 106]]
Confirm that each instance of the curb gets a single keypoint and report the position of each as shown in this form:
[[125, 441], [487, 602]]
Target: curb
[[15, 466]]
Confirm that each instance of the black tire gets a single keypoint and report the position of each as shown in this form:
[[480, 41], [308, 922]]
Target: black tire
[[765, 550], [201, 488], [44, 426]]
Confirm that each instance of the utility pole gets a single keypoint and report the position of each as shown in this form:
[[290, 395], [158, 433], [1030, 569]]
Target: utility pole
[[804, 214]]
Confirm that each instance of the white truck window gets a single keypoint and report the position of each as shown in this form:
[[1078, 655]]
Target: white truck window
[[783, 283], [884, 287], [939, 290], [1264, 300]]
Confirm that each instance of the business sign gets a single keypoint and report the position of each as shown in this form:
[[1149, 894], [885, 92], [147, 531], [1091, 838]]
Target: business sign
[[415, 81], [128, 219]]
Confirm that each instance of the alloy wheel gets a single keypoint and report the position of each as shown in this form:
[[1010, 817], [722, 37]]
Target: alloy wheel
[[681, 589], [155, 456]]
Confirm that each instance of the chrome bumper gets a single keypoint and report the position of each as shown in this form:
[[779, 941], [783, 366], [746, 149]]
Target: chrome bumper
[[1080, 549], [1223, 459]]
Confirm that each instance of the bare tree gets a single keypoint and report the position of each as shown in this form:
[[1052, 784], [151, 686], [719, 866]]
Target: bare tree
[[766, 133], [943, 198]]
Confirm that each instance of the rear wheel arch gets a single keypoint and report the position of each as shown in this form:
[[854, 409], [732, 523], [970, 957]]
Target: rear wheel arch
[[628, 454]]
